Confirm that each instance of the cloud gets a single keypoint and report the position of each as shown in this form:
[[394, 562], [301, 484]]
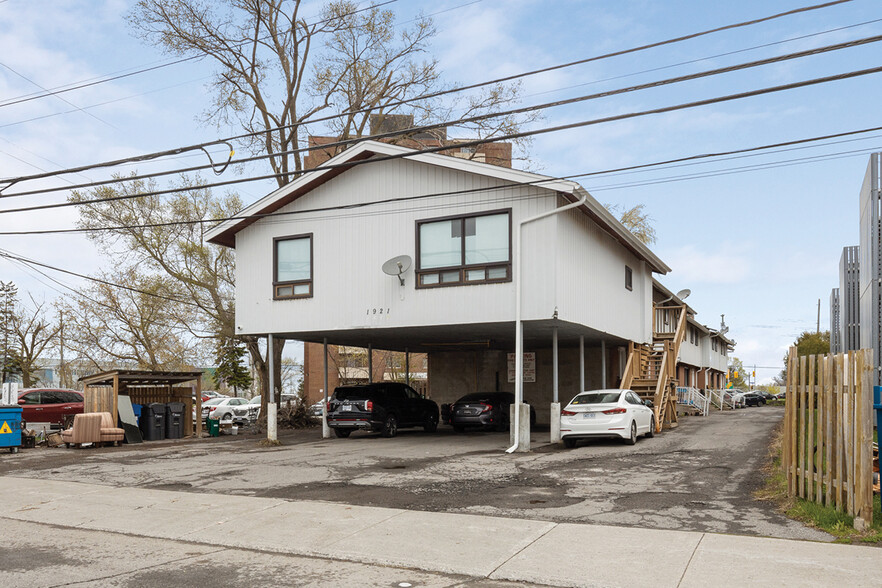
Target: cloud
[[727, 265]]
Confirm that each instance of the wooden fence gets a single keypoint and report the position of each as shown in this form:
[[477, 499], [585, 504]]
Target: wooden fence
[[828, 431]]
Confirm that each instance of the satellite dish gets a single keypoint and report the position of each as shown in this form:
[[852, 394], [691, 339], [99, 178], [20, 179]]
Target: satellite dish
[[684, 293], [397, 266]]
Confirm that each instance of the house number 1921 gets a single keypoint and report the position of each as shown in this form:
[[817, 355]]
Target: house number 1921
[[377, 311]]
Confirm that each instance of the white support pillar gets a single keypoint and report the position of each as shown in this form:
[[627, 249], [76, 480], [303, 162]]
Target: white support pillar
[[581, 363], [602, 363], [272, 423], [554, 414], [326, 430], [370, 363]]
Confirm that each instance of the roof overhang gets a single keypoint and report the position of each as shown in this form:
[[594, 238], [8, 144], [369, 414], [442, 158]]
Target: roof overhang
[[225, 232]]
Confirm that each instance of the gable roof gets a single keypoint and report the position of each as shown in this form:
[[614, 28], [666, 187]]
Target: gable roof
[[225, 232]]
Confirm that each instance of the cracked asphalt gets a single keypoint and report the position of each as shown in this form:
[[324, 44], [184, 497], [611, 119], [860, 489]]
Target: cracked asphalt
[[699, 477]]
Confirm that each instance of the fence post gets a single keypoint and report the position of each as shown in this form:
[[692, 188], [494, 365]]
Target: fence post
[[828, 427], [839, 431], [793, 395], [819, 426], [810, 441]]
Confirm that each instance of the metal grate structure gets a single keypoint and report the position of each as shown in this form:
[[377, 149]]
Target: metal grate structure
[[849, 299], [871, 264], [835, 322]]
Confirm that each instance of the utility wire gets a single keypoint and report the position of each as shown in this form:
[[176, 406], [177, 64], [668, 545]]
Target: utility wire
[[28, 98], [477, 142], [543, 180], [439, 93], [426, 128], [11, 256]]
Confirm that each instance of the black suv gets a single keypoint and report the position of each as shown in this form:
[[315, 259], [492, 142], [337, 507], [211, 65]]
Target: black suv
[[383, 407]]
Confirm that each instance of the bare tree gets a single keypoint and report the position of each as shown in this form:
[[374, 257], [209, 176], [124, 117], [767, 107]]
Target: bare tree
[[34, 333], [111, 327]]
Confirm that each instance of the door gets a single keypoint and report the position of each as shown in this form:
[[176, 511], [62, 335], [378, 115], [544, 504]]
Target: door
[[397, 402], [53, 403]]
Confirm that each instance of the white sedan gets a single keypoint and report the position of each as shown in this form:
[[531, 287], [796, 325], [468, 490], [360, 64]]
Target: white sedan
[[221, 408], [606, 413]]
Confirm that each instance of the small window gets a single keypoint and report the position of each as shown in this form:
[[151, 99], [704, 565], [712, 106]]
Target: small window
[[629, 278], [292, 267]]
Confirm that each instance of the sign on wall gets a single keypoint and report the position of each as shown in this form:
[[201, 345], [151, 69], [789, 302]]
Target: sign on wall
[[529, 367]]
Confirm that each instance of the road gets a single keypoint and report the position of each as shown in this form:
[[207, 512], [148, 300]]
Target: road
[[699, 477]]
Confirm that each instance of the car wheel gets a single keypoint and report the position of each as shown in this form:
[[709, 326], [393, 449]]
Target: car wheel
[[632, 440], [502, 425], [342, 433], [458, 428], [569, 443], [651, 432], [431, 423], [390, 426]]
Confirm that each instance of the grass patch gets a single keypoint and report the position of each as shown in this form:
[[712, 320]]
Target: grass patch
[[825, 518]]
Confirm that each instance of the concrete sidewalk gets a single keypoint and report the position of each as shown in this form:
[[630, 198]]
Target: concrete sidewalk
[[524, 551]]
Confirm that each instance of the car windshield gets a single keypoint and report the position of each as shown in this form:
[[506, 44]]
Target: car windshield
[[597, 398], [353, 393], [485, 396]]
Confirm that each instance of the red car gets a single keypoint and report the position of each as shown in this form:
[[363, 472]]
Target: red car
[[49, 405]]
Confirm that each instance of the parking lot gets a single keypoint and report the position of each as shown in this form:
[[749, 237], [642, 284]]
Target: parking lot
[[699, 477]]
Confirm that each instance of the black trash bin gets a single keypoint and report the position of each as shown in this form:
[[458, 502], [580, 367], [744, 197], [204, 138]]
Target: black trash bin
[[174, 420], [152, 422]]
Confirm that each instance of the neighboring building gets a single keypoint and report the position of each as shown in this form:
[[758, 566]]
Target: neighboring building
[[849, 299], [585, 276], [703, 355], [871, 263], [835, 322]]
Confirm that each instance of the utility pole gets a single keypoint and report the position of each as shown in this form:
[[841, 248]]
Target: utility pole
[[61, 379], [819, 317]]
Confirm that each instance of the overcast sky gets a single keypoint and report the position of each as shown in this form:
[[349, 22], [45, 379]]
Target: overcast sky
[[760, 245]]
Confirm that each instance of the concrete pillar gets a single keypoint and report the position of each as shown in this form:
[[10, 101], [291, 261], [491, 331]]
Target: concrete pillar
[[326, 430], [522, 436], [406, 366], [272, 424], [581, 363], [602, 363], [370, 363], [554, 411]]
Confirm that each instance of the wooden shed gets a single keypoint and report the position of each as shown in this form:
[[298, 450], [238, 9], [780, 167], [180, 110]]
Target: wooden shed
[[101, 392]]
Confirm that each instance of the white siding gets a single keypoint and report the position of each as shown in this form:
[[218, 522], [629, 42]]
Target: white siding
[[350, 246], [591, 281]]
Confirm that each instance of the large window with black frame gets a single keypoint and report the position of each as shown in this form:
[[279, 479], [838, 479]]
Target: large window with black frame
[[464, 250], [292, 267]]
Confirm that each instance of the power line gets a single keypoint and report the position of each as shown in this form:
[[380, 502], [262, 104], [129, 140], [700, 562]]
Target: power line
[[9, 255], [477, 118], [543, 180], [440, 93], [477, 142], [28, 98]]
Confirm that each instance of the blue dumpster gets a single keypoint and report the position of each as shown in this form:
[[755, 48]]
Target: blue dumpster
[[10, 427]]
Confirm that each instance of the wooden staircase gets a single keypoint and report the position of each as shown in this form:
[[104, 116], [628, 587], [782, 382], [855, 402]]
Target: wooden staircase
[[651, 370]]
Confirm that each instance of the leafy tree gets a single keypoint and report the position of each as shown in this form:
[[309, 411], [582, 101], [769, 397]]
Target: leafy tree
[[808, 343], [636, 220], [8, 349], [736, 373], [230, 370]]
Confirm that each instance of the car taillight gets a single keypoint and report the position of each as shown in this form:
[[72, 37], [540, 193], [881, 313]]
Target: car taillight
[[369, 405], [487, 407], [328, 407], [615, 411], [566, 412]]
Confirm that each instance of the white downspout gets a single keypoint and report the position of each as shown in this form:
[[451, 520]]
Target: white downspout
[[519, 333]]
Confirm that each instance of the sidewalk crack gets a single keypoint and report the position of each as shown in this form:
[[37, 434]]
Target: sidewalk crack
[[522, 549], [688, 563]]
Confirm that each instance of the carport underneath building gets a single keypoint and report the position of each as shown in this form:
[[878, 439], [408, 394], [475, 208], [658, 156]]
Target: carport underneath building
[[479, 358]]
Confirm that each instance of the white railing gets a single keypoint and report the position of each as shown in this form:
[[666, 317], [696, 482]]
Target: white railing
[[722, 399], [693, 397]]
